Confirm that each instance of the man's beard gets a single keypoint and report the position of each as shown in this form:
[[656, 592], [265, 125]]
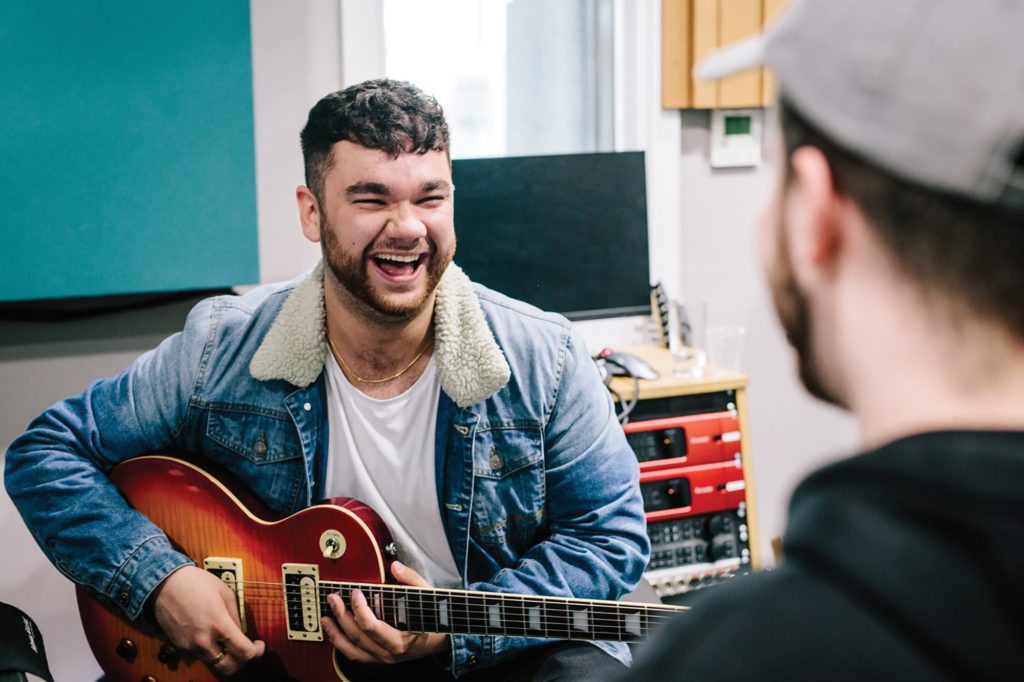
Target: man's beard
[[794, 312], [351, 273]]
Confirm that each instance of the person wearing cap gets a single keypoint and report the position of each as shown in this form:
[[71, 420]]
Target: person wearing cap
[[894, 248]]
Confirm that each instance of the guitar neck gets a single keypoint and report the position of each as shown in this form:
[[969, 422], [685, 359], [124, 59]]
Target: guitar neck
[[420, 609]]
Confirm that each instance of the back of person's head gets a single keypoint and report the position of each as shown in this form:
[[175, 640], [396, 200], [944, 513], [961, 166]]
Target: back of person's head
[[964, 255], [918, 106], [393, 116]]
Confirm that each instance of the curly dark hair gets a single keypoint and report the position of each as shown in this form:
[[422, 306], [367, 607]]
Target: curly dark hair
[[393, 116]]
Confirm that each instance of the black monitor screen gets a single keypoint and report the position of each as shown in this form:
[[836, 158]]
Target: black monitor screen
[[566, 233]]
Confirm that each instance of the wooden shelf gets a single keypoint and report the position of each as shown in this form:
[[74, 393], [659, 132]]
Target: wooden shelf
[[668, 385]]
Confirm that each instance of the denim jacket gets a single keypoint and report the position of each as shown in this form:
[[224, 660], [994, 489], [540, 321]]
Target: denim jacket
[[537, 488]]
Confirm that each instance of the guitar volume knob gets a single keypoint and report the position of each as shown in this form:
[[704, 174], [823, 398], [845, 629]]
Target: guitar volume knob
[[127, 649], [168, 655]]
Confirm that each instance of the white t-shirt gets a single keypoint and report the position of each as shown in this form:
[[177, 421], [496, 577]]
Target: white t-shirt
[[382, 453]]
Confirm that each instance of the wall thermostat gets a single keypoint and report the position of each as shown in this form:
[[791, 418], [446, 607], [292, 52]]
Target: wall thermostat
[[736, 137]]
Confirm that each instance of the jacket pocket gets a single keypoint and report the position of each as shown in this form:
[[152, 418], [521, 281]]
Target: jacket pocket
[[260, 447], [508, 490], [258, 436]]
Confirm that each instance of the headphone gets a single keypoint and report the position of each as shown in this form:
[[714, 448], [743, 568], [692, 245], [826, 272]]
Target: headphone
[[21, 647]]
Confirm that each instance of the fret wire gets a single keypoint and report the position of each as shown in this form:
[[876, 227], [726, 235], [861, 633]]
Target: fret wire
[[544, 619], [460, 612], [424, 610], [408, 598]]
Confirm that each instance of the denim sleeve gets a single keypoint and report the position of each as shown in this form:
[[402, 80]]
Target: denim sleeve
[[598, 546], [56, 471]]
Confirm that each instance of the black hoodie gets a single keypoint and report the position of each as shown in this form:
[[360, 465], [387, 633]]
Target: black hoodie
[[905, 563]]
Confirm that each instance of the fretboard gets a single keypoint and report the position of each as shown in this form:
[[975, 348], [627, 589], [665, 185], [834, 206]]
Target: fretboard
[[492, 613]]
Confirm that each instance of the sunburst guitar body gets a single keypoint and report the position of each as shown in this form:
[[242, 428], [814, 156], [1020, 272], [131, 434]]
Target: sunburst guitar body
[[282, 569]]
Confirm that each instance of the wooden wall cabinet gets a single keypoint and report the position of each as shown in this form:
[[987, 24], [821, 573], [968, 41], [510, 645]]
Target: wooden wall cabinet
[[690, 29]]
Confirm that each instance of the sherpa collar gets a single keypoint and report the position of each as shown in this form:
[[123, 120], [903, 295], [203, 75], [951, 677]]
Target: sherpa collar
[[470, 364]]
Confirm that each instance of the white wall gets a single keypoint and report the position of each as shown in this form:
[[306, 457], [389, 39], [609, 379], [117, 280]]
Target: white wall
[[791, 433], [700, 221], [701, 230], [296, 60], [301, 51]]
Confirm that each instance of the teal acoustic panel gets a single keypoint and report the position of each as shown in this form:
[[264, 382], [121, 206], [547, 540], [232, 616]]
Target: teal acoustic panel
[[127, 158]]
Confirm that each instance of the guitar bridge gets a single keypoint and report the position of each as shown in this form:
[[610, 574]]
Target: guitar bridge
[[302, 601], [230, 573]]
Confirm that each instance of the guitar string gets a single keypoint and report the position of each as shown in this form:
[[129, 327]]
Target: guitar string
[[413, 593], [482, 616], [390, 592], [330, 587], [548, 626], [552, 630], [563, 627], [485, 614], [479, 614], [474, 614]]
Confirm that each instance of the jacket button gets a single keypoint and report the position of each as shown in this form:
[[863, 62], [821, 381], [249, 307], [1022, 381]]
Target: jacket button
[[471, 662], [495, 460], [124, 598], [464, 430], [261, 445]]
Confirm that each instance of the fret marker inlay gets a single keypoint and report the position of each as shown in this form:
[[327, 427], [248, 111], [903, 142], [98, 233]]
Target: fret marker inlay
[[579, 620], [535, 618], [442, 612], [633, 623], [494, 614], [401, 611]]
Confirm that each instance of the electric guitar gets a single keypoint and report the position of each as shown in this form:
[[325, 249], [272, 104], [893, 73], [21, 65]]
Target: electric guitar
[[281, 571]]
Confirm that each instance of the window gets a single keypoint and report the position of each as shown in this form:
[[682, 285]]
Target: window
[[516, 77]]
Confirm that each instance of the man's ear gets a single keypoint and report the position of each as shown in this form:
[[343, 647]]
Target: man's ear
[[817, 236], [309, 212]]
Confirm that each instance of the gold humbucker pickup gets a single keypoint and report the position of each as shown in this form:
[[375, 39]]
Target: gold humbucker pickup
[[302, 601], [230, 573]]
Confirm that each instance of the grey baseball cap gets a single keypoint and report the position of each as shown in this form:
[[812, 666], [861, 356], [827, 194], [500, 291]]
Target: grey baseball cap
[[930, 90]]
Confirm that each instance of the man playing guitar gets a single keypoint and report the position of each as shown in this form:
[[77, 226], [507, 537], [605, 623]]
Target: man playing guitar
[[475, 425]]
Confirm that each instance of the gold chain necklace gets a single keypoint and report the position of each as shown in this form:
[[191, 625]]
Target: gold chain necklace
[[341, 361]]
